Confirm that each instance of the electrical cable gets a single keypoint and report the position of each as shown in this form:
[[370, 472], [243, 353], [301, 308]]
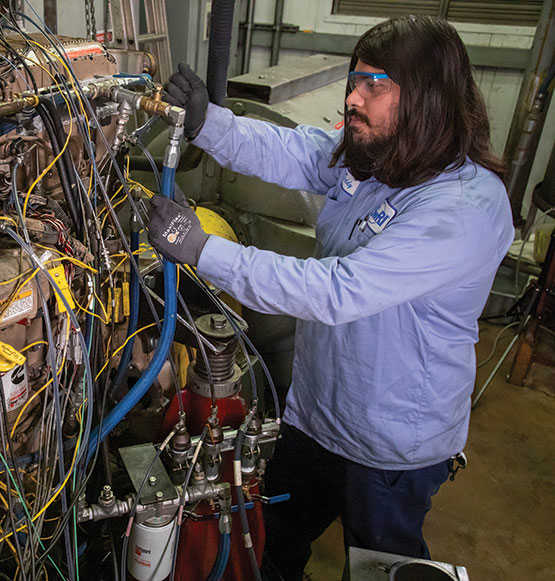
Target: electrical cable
[[494, 347], [238, 486], [188, 475], [10, 500]]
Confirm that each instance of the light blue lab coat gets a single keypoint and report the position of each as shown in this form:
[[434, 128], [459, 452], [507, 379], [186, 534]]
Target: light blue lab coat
[[384, 360]]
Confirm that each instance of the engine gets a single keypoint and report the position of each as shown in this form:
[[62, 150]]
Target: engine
[[133, 438]]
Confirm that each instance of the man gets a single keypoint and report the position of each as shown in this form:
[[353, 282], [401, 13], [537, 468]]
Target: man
[[414, 227]]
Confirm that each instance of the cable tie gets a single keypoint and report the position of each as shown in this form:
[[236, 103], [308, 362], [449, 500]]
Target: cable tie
[[129, 525], [237, 476]]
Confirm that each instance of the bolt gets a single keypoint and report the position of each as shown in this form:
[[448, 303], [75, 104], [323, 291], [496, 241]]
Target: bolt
[[218, 321], [152, 480], [107, 493], [159, 495]]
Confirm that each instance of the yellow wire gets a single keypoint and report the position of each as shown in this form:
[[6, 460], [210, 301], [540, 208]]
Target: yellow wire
[[106, 319], [86, 310], [70, 77], [41, 342], [8, 219], [114, 206], [72, 259], [114, 269], [50, 165], [41, 389], [106, 362], [12, 548], [132, 335], [58, 490]]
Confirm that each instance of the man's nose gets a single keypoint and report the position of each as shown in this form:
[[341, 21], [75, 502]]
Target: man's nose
[[354, 98]]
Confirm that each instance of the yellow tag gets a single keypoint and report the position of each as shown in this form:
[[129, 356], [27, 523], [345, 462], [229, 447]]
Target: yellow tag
[[9, 357], [59, 276], [109, 307], [125, 295], [117, 304]]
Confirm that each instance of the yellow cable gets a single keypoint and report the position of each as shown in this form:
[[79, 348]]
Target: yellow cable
[[106, 362], [8, 219], [51, 164], [132, 335], [114, 206], [56, 493], [41, 342], [40, 390], [72, 259], [12, 548], [106, 320]]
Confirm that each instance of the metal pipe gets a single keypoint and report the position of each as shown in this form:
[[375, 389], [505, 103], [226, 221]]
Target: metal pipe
[[276, 35], [245, 65], [540, 61]]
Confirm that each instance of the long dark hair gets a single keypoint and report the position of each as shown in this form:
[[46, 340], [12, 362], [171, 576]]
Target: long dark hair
[[442, 116]]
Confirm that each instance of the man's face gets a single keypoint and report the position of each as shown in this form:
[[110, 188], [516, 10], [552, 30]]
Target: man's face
[[372, 106]]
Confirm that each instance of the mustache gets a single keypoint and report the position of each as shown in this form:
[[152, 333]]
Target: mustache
[[355, 113]]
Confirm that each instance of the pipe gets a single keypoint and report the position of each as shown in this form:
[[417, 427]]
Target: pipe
[[248, 37], [276, 34], [218, 49], [133, 322], [166, 337], [526, 148], [220, 564]]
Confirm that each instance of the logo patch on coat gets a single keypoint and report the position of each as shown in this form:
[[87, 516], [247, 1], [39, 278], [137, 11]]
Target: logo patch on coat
[[349, 184], [379, 218]]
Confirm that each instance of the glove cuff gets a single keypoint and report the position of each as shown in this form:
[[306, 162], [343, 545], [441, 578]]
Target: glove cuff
[[199, 246], [194, 134]]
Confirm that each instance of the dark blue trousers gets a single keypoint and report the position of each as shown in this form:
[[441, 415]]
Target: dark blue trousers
[[382, 510]]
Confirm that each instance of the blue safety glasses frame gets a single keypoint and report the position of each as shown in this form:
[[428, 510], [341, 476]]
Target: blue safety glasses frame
[[368, 84]]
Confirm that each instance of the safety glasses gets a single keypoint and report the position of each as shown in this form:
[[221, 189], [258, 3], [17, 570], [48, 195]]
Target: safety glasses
[[368, 84]]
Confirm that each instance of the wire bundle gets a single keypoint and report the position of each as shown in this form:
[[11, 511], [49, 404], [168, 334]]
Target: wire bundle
[[40, 492]]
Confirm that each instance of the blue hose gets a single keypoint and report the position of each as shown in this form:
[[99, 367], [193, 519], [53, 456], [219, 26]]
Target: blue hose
[[133, 318], [220, 564], [143, 384]]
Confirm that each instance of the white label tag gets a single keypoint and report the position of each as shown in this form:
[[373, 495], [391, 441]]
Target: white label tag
[[379, 218], [15, 386], [349, 184]]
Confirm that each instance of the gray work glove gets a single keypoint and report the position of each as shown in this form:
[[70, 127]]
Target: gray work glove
[[175, 231], [185, 89]]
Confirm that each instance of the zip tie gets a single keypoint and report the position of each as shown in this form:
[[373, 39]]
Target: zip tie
[[237, 477], [129, 525]]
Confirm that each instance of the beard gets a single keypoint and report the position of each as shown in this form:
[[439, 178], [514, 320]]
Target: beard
[[365, 156]]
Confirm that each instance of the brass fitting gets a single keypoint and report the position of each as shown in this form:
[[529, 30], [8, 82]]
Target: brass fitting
[[11, 107]]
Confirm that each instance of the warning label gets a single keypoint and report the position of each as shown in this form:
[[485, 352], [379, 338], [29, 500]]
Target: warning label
[[22, 305]]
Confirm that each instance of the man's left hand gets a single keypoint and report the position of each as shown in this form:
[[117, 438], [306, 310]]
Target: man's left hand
[[175, 231]]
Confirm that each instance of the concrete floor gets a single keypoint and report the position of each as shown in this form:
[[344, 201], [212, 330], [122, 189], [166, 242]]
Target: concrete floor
[[498, 517]]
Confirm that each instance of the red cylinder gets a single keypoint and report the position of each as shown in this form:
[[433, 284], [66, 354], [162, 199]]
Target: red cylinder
[[198, 541]]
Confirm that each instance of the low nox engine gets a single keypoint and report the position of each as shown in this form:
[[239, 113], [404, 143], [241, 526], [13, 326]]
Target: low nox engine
[[128, 449]]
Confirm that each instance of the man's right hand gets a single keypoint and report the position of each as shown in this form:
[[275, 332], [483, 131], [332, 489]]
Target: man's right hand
[[185, 89]]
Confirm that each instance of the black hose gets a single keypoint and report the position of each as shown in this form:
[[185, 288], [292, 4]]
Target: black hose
[[62, 136], [60, 165], [237, 485], [218, 49]]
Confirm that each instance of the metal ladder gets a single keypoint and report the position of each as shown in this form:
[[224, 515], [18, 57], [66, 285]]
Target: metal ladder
[[155, 40]]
